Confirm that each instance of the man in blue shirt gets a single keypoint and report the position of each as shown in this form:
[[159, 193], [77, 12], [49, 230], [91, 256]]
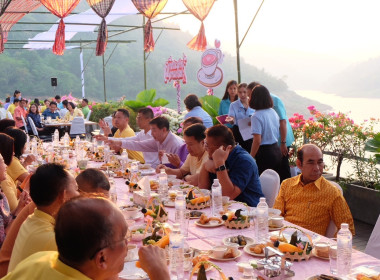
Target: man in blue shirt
[[232, 165], [194, 108], [59, 103], [52, 111]]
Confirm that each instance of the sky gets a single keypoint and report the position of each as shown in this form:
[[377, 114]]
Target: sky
[[303, 41]]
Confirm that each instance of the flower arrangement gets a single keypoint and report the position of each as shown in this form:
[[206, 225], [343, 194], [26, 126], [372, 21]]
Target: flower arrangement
[[175, 119]]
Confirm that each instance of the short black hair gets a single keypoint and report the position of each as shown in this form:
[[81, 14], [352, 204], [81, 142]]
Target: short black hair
[[125, 112], [53, 103], [46, 100], [85, 100], [226, 94], [57, 97], [193, 120], [6, 148], [146, 112], [191, 101], [16, 92], [4, 123], [36, 101], [72, 105], [8, 99], [47, 183], [222, 134], [260, 98], [83, 227], [19, 138], [16, 100], [197, 131], [160, 122], [93, 178], [65, 102]]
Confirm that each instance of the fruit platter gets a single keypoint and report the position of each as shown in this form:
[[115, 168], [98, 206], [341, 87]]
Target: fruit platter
[[157, 212], [197, 200], [235, 219]]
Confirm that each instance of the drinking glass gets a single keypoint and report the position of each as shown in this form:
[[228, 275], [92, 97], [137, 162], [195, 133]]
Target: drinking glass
[[188, 259], [333, 256]]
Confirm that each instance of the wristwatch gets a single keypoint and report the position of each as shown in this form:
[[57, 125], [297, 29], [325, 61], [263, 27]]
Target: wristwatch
[[221, 168]]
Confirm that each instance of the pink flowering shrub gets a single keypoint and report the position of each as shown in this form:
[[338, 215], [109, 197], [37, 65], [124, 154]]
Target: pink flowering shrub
[[175, 119]]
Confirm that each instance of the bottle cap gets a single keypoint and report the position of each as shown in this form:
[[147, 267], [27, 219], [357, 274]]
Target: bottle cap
[[262, 199], [344, 226]]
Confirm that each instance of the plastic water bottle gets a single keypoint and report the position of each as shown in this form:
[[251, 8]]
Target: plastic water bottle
[[176, 257], [56, 137], [344, 250], [261, 224], [216, 191], [163, 185], [180, 208]]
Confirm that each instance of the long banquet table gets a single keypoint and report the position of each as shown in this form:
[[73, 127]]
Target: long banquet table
[[206, 238]]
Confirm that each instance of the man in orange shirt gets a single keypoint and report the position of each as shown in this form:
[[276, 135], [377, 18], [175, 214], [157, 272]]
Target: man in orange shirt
[[20, 112], [309, 200]]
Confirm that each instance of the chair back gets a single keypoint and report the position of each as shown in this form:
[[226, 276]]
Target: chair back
[[331, 229], [9, 115], [270, 185], [88, 115], [3, 113], [373, 245], [77, 126], [25, 125], [33, 126]]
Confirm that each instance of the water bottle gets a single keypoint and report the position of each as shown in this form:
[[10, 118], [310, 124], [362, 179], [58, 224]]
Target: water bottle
[[134, 172], [180, 209], [344, 250], [163, 185], [113, 194], [261, 224], [217, 205], [176, 251], [56, 137]]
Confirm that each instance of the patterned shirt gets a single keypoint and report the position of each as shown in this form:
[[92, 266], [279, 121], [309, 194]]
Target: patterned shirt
[[313, 205]]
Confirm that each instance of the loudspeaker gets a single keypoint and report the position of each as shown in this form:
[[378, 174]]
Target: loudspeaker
[[54, 82]]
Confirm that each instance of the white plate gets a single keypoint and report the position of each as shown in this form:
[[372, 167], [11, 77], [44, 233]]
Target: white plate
[[246, 249], [145, 172], [209, 225], [274, 228], [319, 257], [193, 218], [226, 260], [248, 239], [170, 203], [138, 216], [131, 272], [312, 277]]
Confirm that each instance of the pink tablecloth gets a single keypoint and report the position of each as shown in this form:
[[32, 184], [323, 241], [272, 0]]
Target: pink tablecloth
[[206, 238]]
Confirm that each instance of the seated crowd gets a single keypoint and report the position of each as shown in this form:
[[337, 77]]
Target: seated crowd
[[55, 226]]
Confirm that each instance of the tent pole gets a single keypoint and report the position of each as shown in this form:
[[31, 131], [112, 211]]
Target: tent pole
[[104, 80], [82, 71], [144, 52], [237, 41]]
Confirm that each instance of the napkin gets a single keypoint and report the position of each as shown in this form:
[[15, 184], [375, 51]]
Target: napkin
[[144, 184]]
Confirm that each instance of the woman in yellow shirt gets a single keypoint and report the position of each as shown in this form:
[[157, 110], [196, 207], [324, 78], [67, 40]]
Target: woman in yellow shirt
[[73, 112]]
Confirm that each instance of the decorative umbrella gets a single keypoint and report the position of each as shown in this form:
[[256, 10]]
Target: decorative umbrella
[[102, 9], [61, 9], [3, 6], [200, 9], [150, 9]]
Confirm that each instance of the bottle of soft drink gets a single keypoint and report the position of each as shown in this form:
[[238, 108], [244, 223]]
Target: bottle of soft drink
[[180, 209], [344, 250], [176, 245], [261, 224], [216, 191], [163, 185]]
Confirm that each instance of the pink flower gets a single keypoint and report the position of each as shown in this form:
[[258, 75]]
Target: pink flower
[[311, 108], [179, 130]]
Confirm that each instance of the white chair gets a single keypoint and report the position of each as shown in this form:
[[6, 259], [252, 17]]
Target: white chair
[[373, 245], [331, 229], [270, 185], [45, 138], [25, 125], [77, 127], [9, 115], [3, 113], [88, 115]]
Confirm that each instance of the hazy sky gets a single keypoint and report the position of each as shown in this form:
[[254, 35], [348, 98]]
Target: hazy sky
[[305, 41]]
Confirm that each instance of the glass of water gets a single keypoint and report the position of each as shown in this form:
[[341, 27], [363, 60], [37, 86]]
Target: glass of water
[[333, 256]]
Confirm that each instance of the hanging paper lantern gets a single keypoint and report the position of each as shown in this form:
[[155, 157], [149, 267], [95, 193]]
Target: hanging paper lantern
[[60, 9], [150, 9], [102, 9], [200, 9], [3, 6]]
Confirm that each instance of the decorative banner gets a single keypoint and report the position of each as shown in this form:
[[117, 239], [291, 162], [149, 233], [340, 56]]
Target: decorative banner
[[150, 9], [102, 9], [200, 9], [175, 71], [3, 6], [210, 75], [60, 9]]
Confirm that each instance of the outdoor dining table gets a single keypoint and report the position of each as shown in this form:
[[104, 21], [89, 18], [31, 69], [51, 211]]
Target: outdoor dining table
[[54, 124], [206, 238]]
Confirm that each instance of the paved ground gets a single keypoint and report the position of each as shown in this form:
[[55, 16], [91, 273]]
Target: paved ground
[[363, 232]]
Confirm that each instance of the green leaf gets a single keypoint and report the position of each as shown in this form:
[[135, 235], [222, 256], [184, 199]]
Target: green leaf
[[146, 96], [159, 102], [210, 104], [134, 104]]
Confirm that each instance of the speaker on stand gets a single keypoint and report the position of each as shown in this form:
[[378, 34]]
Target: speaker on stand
[[54, 83]]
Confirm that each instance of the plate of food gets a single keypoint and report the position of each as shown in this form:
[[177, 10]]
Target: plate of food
[[274, 228], [229, 255], [207, 222], [257, 250], [323, 277], [241, 240], [195, 214]]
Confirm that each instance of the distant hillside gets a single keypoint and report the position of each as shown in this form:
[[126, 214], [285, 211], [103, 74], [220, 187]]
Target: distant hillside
[[358, 80], [30, 71]]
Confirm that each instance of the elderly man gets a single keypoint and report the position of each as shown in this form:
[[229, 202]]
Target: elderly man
[[194, 136], [309, 200], [163, 139], [99, 250], [232, 165], [50, 186], [121, 121]]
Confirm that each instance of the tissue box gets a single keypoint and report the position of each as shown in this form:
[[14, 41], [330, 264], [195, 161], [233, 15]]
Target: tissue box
[[141, 200]]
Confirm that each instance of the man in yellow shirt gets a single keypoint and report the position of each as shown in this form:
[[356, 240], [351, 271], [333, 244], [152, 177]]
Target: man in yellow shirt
[[50, 186], [309, 200], [92, 244], [121, 121], [194, 136]]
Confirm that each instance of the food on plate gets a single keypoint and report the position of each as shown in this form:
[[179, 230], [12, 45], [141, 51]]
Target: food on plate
[[205, 220], [157, 212], [229, 254], [287, 247], [197, 201], [240, 239], [364, 277], [119, 173], [295, 245], [236, 216], [200, 258], [259, 248], [195, 214]]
